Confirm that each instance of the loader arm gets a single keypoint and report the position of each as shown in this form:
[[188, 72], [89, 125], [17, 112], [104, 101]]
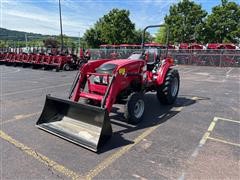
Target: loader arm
[[80, 82]]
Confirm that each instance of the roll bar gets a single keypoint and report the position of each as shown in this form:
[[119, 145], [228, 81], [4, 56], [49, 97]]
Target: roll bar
[[155, 26]]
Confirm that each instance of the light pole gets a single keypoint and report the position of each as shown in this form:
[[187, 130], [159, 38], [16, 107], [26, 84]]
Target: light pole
[[79, 40], [60, 16], [26, 40]]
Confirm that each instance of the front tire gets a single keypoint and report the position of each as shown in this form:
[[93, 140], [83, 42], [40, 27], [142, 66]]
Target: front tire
[[167, 93], [66, 67], [134, 109]]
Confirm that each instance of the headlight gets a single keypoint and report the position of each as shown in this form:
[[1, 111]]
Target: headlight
[[101, 80], [144, 68], [145, 76], [96, 79]]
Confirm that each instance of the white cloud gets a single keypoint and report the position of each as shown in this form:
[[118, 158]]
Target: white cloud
[[26, 16], [151, 12], [43, 16]]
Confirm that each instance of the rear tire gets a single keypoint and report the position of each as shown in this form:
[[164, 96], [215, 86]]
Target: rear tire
[[66, 67], [134, 109], [167, 93]]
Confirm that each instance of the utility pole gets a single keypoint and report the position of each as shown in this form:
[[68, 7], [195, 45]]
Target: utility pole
[[26, 39], [79, 40], [60, 16]]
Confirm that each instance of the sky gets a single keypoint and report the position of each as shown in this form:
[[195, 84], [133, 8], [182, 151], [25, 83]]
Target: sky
[[42, 16]]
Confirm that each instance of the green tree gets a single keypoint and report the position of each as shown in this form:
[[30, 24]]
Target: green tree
[[117, 27], [93, 37], [51, 43], [113, 28], [22, 43], [224, 2], [67, 41], [161, 35], [137, 38], [185, 21], [2, 44], [223, 25]]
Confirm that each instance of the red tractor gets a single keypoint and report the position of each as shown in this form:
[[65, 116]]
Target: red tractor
[[84, 118]]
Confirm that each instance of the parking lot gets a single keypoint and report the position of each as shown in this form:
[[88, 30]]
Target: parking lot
[[196, 138]]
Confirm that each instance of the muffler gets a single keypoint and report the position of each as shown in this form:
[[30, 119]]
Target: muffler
[[86, 125]]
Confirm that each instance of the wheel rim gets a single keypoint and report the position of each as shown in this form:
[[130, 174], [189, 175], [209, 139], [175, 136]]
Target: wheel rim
[[139, 108], [174, 87], [67, 67]]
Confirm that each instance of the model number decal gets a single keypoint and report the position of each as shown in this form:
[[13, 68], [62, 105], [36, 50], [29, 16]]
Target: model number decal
[[122, 71]]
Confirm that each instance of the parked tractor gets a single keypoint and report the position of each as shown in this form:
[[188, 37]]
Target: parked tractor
[[84, 117]]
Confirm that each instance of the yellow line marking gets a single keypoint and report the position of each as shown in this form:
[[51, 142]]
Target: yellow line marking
[[211, 127], [200, 145], [204, 138], [20, 117], [41, 158], [223, 141], [213, 124], [178, 109], [110, 159], [195, 98], [229, 120], [228, 72]]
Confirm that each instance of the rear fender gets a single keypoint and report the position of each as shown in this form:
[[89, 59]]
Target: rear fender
[[167, 63]]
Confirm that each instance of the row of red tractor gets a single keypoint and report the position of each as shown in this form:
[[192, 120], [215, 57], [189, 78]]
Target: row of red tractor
[[40, 60], [68, 61]]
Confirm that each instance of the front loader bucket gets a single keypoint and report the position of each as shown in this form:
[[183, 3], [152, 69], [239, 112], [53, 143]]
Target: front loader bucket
[[83, 124]]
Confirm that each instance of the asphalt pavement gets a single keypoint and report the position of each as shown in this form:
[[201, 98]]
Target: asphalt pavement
[[196, 138]]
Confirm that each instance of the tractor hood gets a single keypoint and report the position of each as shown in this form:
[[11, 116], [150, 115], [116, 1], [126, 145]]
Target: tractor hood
[[106, 68], [125, 62], [129, 65]]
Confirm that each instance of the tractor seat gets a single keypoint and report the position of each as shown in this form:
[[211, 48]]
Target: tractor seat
[[152, 58], [135, 55]]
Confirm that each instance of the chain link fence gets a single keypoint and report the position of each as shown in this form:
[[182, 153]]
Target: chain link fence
[[219, 57]]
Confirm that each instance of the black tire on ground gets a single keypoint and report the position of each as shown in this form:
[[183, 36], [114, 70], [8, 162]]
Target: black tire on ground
[[168, 91], [134, 108], [57, 69], [66, 67], [34, 66]]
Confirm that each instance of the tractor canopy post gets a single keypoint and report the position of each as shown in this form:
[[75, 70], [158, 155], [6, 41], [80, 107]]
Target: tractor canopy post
[[155, 26]]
